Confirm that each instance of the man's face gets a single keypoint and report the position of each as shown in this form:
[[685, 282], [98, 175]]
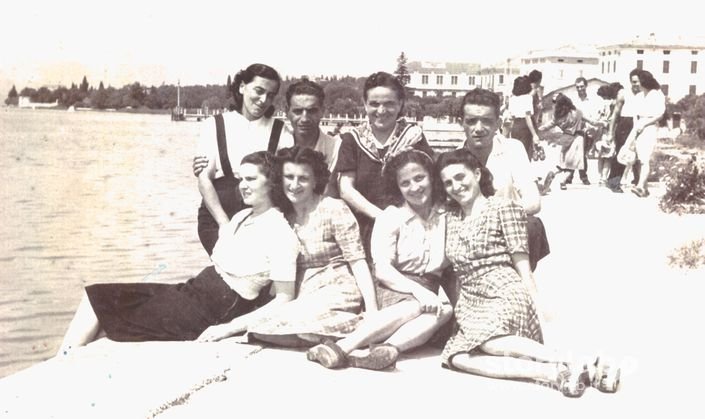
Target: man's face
[[636, 85], [304, 113], [581, 87], [480, 123]]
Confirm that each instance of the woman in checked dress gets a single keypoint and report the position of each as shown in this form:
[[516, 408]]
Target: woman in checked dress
[[498, 332]]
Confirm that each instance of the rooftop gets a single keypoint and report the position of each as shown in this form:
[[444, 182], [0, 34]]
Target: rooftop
[[436, 67], [654, 40]]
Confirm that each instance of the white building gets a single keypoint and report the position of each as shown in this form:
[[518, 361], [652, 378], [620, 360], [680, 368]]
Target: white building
[[560, 66], [498, 78], [441, 79], [677, 64]]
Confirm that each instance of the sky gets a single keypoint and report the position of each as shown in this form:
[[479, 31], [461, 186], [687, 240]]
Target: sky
[[201, 42]]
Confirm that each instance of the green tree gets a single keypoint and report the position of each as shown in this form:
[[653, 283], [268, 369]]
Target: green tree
[[402, 72], [12, 97]]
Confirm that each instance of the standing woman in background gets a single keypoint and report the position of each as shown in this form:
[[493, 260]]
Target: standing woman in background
[[643, 138], [227, 138], [521, 110], [365, 149]]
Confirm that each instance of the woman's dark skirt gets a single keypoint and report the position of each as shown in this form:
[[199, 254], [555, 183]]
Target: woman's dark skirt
[[145, 311], [520, 131]]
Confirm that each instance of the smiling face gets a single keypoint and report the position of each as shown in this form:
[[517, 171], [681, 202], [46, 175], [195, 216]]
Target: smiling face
[[414, 183], [299, 182], [480, 123], [460, 183], [581, 88], [305, 113], [257, 97], [254, 186], [635, 84], [382, 107]]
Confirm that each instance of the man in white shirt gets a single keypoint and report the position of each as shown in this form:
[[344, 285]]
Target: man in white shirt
[[590, 106]]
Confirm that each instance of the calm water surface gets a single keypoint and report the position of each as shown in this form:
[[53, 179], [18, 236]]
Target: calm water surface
[[87, 197]]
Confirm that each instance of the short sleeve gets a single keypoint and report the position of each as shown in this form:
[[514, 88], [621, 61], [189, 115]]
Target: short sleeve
[[347, 155], [384, 236], [207, 142], [346, 231], [512, 222], [283, 253]]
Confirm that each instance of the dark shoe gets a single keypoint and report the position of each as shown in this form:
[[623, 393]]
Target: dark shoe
[[617, 189], [547, 182], [573, 383], [327, 354], [380, 357], [563, 187], [585, 181], [641, 193], [569, 179]]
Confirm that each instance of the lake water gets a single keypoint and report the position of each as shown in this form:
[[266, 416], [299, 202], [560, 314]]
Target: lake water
[[87, 197]]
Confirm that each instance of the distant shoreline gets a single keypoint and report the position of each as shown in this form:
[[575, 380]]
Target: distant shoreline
[[82, 109]]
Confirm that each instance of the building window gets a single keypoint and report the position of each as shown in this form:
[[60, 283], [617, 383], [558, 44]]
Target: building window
[[614, 66], [666, 51], [608, 66], [692, 91], [694, 52], [453, 80], [424, 80], [580, 61], [609, 52], [664, 89], [454, 94], [501, 79], [640, 51], [693, 67], [666, 66], [425, 93], [439, 79], [560, 60], [640, 64], [603, 67]]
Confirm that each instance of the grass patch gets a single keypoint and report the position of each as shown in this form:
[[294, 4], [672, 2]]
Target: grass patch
[[690, 256]]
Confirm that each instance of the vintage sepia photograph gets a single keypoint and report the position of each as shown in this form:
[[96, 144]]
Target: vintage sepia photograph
[[351, 209]]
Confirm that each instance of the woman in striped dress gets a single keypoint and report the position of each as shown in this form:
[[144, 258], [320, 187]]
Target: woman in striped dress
[[498, 333]]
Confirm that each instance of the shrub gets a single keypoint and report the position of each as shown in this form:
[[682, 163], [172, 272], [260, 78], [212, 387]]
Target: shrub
[[690, 255], [661, 164], [685, 188]]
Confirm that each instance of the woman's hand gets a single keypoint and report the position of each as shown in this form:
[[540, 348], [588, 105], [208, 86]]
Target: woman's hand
[[428, 301], [215, 333], [199, 163], [536, 139]]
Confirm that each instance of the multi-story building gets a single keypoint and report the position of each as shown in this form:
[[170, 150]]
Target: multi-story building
[[560, 66], [678, 64], [442, 79]]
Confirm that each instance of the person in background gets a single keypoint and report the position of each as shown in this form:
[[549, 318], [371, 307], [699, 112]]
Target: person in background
[[498, 331], [365, 148], [256, 248], [507, 160], [590, 107], [535, 78], [603, 149], [521, 110], [407, 250], [226, 138], [649, 112]]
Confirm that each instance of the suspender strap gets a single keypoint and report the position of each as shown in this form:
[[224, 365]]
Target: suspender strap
[[222, 146], [274, 136]]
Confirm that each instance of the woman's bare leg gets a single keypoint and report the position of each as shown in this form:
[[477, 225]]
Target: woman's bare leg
[[83, 329], [418, 331]]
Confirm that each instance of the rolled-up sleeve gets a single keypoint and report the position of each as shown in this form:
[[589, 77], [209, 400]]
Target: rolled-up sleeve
[[384, 237]]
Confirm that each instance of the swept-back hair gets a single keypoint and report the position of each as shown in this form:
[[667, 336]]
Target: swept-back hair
[[391, 168], [246, 76], [465, 157], [647, 81], [305, 87], [522, 86], [268, 166], [481, 97]]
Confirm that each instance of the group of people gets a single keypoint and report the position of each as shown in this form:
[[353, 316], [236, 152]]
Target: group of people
[[342, 244]]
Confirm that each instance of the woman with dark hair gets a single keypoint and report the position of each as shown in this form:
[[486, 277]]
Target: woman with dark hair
[[407, 251], [642, 139], [333, 278], [498, 331], [256, 248], [572, 122], [604, 149], [366, 147], [228, 137], [521, 109]]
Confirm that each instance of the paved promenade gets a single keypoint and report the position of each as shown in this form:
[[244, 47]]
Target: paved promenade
[[606, 287]]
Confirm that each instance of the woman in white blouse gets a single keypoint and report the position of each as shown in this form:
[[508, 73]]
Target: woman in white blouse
[[407, 245], [521, 108], [219, 301]]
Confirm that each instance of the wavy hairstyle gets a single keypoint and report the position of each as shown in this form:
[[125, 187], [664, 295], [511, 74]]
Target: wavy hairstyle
[[304, 155], [562, 106], [268, 166], [396, 162], [246, 76], [522, 86], [647, 81], [465, 157], [383, 79], [480, 97], [609, 91]]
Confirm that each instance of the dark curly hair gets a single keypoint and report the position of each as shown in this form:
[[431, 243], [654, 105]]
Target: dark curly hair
[[562, 106], [481, 97], [465, 157], [609, 91], [395, 163], [314, 159], [246, 76], [268, 166], [647, 81], [535, 76], [383, 79], [305, 87], [522, 86]]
